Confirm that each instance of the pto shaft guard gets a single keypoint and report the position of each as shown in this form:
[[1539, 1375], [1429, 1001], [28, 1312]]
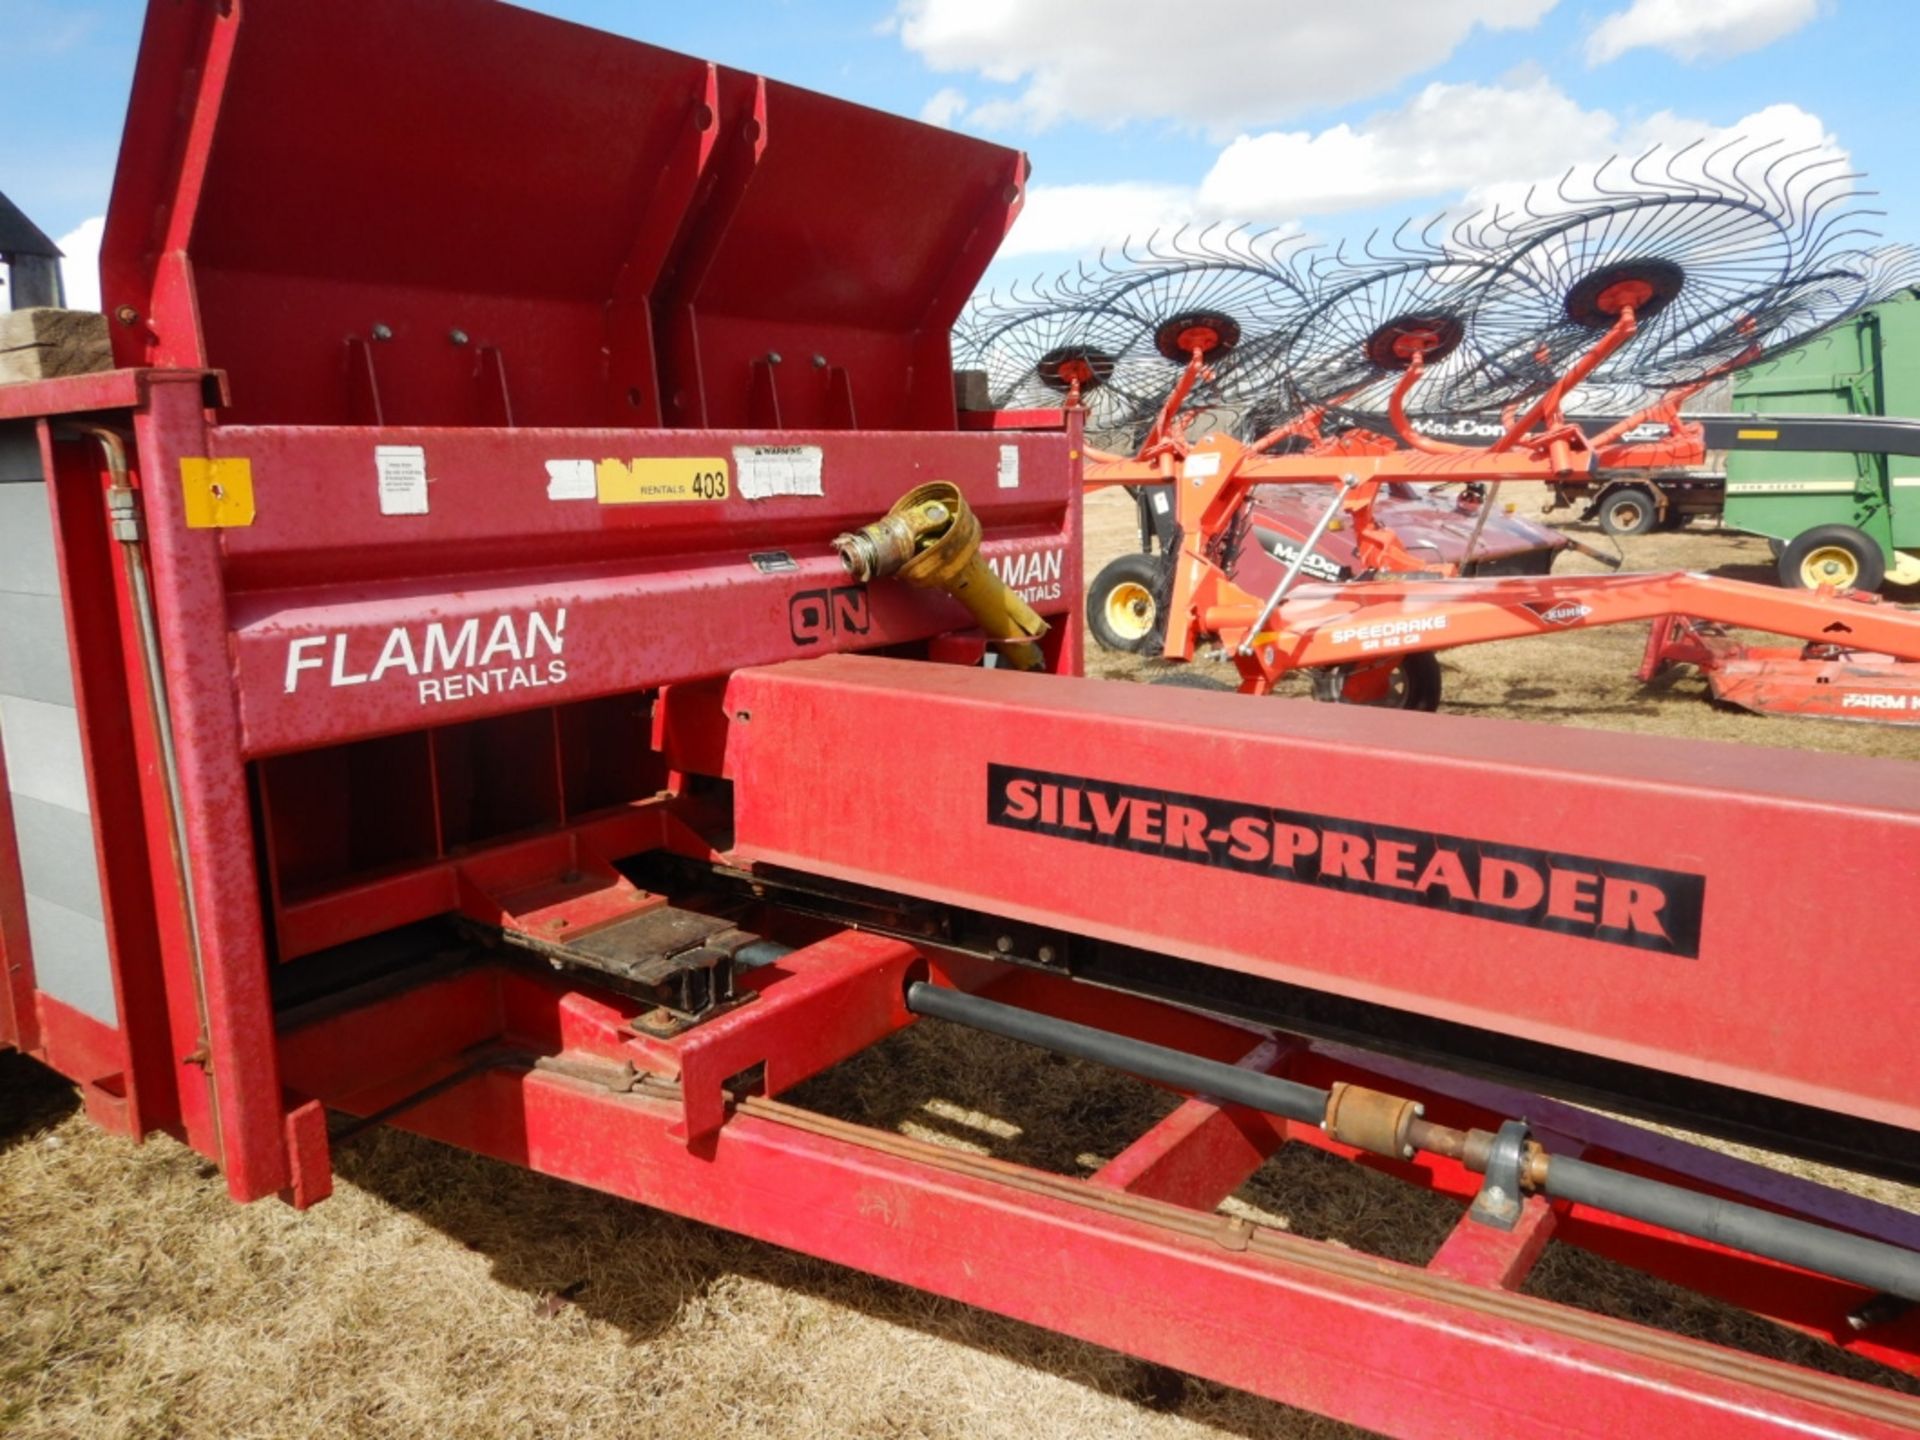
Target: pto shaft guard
[[930, 538]]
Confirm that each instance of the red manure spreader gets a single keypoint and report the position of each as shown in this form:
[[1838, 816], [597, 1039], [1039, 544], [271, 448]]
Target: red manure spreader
[[524, 648]]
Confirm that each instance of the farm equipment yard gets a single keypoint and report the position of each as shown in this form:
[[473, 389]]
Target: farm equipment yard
[[441, 1292], [736, 831]]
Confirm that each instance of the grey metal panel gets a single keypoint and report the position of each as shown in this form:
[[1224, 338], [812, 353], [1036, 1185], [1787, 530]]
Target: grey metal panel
[[28, 565], [20, 451], [33, 648], [40, 739], [70, 958], [43, 752], [56, 855]]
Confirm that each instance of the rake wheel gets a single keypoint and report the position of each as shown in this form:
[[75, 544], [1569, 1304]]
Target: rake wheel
[[1724, 254]]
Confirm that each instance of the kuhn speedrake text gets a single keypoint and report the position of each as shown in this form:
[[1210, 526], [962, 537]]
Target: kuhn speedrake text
[[558, 708], [1622, 292]]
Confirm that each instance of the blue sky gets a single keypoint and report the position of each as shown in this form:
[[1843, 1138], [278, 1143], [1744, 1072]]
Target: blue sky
[[1333, 117]]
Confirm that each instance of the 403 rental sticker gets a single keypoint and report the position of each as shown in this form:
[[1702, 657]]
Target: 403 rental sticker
[[649, 480]]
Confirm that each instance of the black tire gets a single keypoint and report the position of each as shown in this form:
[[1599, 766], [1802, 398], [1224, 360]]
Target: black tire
[[1415, 684], [1629, 510], [1840, 555], [1126, 604], [1185, 677]]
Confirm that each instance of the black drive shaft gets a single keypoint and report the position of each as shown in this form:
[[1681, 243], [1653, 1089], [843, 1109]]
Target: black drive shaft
[[1887, 1269]]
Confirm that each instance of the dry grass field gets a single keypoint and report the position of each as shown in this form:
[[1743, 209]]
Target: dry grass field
[[437, 1294]]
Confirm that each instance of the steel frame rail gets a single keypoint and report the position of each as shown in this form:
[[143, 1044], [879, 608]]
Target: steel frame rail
[[1134, 1256]]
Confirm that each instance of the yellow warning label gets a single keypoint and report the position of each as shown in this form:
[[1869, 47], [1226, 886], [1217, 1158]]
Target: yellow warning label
[[1757, 434], [656, 480], [216, 494]]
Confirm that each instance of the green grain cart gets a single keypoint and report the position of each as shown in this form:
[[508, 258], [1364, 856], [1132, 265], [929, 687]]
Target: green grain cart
[[1850, 519]]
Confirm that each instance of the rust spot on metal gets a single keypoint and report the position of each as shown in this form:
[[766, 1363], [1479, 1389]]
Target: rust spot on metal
[[1371, 1120]]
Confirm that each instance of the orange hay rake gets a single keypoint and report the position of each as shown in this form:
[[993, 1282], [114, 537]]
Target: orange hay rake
[[1857, 660], [1650, 297]]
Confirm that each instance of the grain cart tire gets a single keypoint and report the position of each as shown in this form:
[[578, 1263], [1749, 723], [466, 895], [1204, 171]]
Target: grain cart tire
[[1836, 555], [1126, 604], [1403, 682], [1629, 510]]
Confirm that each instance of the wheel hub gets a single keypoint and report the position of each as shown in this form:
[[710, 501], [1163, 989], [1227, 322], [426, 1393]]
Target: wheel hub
[[1130, 610], [1830, 565]]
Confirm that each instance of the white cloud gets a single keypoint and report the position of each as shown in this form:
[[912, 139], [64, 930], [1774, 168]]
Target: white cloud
[[80, 270], [49, 27], [1697, 29], [1776, 131], [1252, 62], [1450, 146], [1447, 139], [1079, 219], [944, 107]]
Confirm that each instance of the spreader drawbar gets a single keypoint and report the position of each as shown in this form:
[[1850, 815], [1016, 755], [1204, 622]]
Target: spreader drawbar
[[1887, 1269]]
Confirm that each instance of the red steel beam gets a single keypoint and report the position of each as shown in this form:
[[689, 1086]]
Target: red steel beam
[[826, 1000], [1482, 1255], [1203, 1151], [235, 1049], [1389, 1346]]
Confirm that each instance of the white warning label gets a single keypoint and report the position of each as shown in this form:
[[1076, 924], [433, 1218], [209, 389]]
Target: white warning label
[[769, 470], [1009, 467], [403, 479], [571, 480]]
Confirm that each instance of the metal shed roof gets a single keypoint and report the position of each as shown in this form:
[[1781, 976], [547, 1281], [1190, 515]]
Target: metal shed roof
[[19, 235]]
